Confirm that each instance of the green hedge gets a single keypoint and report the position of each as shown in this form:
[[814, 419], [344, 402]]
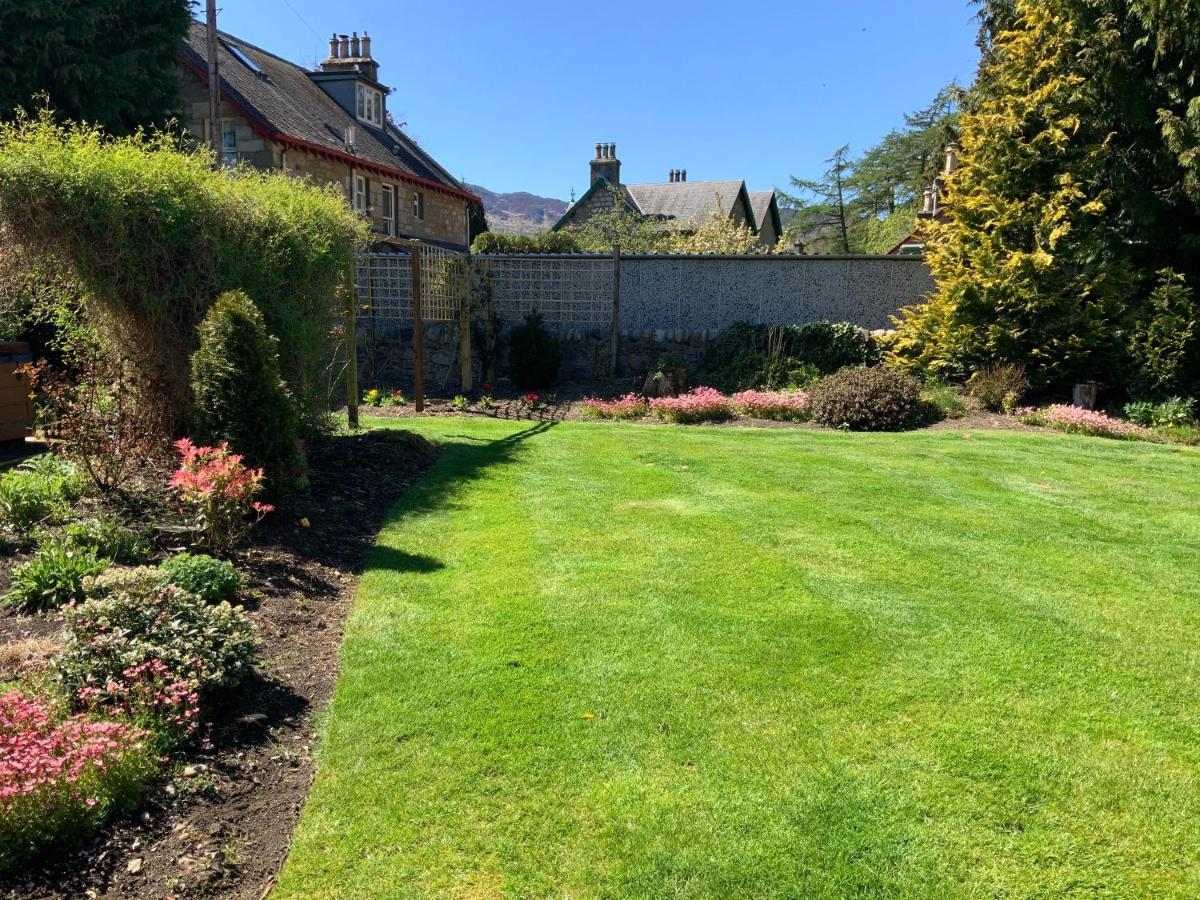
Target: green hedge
[[147, 234], [546, 242]]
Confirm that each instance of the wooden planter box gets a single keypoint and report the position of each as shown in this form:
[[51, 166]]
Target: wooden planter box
[[16, 407]]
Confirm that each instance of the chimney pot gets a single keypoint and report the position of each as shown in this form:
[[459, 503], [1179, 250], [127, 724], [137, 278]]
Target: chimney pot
[[355, 47], [671, 176], [598, 156], [683, 174], [366, 45], [612, 151], [344, 46], [333, 47]]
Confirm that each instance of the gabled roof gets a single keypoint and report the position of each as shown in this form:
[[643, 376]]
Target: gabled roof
[[683, 202], [286, 105], [764, 204]]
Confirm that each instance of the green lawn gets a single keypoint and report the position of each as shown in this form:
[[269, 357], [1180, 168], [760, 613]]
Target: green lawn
[[628, 661]]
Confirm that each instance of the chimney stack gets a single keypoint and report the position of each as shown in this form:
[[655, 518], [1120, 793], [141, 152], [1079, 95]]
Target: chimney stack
[[351, 53], [951, 158], [683, 174], [606, 165]]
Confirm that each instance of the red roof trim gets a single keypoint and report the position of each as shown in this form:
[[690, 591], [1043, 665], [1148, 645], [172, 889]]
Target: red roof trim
[[262, 129]]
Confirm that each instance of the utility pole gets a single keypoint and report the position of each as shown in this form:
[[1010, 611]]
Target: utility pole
[[214, 85]]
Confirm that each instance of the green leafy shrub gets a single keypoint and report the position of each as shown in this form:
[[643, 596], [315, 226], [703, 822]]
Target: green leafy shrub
[[39, 490], [240, 396], [875, 399], [132, 618], [156, 233], [108, 539], [54, 576], [1175, 412], [536, 353], [211, 579], [1163, 337], [746, 356], [546, 242], [998, 387], [945, 400]]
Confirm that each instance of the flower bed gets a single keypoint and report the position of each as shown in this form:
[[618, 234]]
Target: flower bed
[[630, 406], [1077, 420], [779, 405], [60, 779], [702, 404]]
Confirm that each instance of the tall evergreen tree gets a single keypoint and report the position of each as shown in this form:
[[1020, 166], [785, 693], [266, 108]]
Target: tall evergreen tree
[[114, 63], [1072, 231]]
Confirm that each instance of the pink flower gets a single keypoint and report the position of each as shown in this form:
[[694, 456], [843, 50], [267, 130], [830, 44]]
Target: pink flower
[[630, 406], [702, 404], [772, 404]]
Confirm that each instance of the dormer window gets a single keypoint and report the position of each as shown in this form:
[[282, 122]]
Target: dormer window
[[369, 105]]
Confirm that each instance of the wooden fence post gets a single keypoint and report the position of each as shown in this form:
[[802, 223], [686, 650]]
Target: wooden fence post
[[352, 347], [616, 309], [464, 326], [414, 249]]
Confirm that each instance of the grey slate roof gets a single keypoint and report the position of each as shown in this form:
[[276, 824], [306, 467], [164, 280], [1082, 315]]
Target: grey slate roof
[[682, 202], [284, 99], [760, 203]]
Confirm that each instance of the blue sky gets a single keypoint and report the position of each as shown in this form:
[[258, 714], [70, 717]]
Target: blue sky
[[514, 96]]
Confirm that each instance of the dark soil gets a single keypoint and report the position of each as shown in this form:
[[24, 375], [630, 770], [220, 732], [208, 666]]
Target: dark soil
[[220, 826]]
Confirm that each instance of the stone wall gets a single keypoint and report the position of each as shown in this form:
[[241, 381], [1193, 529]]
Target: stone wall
[[670, 306]]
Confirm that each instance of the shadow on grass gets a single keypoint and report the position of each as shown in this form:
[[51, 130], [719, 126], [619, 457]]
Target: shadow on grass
[[398, 561]]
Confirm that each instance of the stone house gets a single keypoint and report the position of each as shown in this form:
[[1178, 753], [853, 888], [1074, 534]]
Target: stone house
[[331, 125], [678, 204]]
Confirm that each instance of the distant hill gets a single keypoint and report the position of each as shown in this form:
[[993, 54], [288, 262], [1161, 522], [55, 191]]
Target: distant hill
[[519, 213]]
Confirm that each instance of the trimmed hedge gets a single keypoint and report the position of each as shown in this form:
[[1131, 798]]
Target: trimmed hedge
[[146, 234]]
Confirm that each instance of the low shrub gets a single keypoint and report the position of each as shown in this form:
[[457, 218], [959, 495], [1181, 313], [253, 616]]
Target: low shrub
[[536, 353], [1174, 412], [945, 401], [546, 242], [1077, 420], [210, 579], [875, 399], [701, 404], [1188, 435], [782, 406], [218, 490], [54, 576], [151, 696], [998, 387], [37, 491], [746, 356], [241, 398], [132, 618], [629, 406], [60, 780], [108, 539]]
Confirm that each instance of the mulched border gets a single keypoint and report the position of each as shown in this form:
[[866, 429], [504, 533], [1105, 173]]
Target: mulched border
[[221, 825]]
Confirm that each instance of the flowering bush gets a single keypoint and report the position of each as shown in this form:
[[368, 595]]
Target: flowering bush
[[630, 406], [1077, 420], [528, 401], [372, 397], [150, 695], [396, 398], [133, 618], [702, 404], [782, 405], [218, 489], [61, 779]]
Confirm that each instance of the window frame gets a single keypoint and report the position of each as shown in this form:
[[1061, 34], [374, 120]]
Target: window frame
[[418, 205], [368, 104], [387, 206], [360, 194]]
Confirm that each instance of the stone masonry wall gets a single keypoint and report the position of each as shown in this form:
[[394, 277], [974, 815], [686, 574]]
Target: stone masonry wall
[[670, 306]]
